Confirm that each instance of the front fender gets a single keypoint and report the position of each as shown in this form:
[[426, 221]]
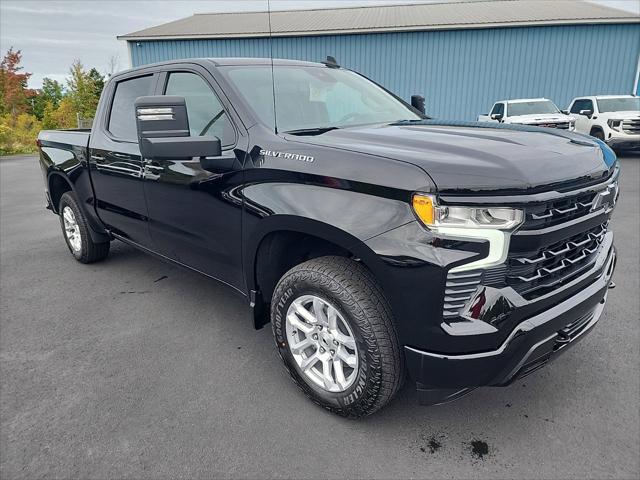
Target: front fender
[[345, 218]]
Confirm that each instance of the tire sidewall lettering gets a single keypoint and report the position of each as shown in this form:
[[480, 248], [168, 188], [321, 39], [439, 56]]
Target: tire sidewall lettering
[[355, 392]]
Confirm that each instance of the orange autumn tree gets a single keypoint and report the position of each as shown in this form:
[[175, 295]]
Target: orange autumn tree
[[18, 127], [14, 93], [24, 111]]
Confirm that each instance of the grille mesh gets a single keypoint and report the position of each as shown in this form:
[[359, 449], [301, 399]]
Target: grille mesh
[[632, 126], [559, 211], [534, 273]]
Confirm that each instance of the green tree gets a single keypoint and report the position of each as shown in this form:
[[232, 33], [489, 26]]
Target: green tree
[[97, 80], [62, 116], [84, 89], [50, 93]]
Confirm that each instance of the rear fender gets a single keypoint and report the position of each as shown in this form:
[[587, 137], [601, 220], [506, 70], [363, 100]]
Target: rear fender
[[69, 163]]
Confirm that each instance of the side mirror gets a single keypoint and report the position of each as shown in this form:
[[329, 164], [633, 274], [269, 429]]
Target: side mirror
[[586, 113], [566, 112], [417, 102], [496, 116], [163, 130]]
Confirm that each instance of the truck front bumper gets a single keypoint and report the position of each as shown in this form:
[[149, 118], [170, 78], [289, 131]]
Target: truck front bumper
[[627, 142], [532, 344]]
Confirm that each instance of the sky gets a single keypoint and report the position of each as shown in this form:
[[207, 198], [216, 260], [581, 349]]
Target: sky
[[53, 33]]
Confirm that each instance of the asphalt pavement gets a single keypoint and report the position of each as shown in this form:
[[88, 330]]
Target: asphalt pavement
[[134, 368]]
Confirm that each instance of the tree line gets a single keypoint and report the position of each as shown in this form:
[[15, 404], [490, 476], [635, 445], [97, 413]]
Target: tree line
[[25, 111]]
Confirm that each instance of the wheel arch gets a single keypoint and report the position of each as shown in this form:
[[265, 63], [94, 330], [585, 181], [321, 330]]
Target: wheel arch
[[58, 184], [284, 241]]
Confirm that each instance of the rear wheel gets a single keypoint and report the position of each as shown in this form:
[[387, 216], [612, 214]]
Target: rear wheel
[[76, 232], [334, 332]]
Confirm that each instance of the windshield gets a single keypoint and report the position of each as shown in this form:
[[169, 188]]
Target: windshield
[[622, 104], [315, 97], [531, 108]]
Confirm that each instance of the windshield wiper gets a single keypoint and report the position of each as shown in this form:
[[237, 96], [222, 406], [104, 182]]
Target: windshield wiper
[[310, 131]]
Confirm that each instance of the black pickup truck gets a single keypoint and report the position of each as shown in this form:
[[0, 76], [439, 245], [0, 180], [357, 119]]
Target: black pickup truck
[[377, 241]]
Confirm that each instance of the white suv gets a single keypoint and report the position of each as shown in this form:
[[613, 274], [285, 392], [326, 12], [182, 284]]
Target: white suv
[[615, 119]]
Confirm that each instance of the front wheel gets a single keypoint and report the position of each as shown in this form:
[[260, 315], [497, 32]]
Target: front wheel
[[76, 232], [599, 134], [334, 332]]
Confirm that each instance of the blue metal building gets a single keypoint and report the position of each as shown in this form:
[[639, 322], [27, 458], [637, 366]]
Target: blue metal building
[[461, 56]]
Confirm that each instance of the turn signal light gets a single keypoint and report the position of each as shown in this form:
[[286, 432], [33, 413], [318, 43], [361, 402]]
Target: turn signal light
[[424, 208]]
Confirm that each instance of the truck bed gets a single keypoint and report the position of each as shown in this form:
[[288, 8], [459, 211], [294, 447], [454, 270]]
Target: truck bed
[[65, 138]]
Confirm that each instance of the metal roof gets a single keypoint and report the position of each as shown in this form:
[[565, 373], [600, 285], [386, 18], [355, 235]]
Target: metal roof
[[388, 18]]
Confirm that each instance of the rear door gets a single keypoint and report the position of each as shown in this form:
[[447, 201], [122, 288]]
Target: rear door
[[195, 214], [115, 162]]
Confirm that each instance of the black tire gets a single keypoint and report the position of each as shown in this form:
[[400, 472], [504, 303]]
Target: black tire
[[89, 250], [599, 134], [351, 289]]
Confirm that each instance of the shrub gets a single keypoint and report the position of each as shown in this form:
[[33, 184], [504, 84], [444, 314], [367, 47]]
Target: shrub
[[18, 133]]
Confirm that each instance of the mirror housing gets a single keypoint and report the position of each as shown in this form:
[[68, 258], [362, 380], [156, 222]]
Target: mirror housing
[[586, 113], [163, 130], [496, 116], [180, 147], [566, 112], [417, 102]]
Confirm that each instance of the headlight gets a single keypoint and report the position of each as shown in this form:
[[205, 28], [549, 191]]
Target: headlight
[[486, 223], [614, 124], [433, 215]]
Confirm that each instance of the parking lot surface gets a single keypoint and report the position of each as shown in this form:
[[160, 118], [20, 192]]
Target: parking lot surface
[[135, 368]]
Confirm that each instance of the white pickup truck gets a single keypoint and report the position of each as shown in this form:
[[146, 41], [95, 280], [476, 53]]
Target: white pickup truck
[[539, 112], [614, 119]]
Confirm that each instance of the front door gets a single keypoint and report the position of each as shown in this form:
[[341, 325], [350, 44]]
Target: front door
[[583, 123], [194, 216]]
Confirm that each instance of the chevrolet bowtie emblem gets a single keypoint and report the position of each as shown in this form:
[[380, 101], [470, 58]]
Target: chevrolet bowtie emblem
[[606, 196]]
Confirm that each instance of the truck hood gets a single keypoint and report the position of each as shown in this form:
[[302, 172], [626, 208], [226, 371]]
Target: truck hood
[[540, 118], [473, 156], [632, 114]]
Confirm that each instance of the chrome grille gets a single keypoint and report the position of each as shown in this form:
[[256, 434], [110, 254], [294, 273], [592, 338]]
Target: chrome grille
[[561, 125], [558, 211], [460, 287], [534, 273], [631, 126]]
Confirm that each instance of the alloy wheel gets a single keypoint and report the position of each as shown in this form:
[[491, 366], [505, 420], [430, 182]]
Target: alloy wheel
[[322, 343], [72, 229]]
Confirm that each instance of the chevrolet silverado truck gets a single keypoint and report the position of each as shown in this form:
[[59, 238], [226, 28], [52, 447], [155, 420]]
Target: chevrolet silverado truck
[[538, 112], [379, 243], [614, 119]]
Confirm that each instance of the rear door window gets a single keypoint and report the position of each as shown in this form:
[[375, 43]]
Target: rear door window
[[122, 118]]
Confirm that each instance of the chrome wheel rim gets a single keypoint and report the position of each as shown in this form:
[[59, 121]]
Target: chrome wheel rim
[[322, 343], [71, 229]]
